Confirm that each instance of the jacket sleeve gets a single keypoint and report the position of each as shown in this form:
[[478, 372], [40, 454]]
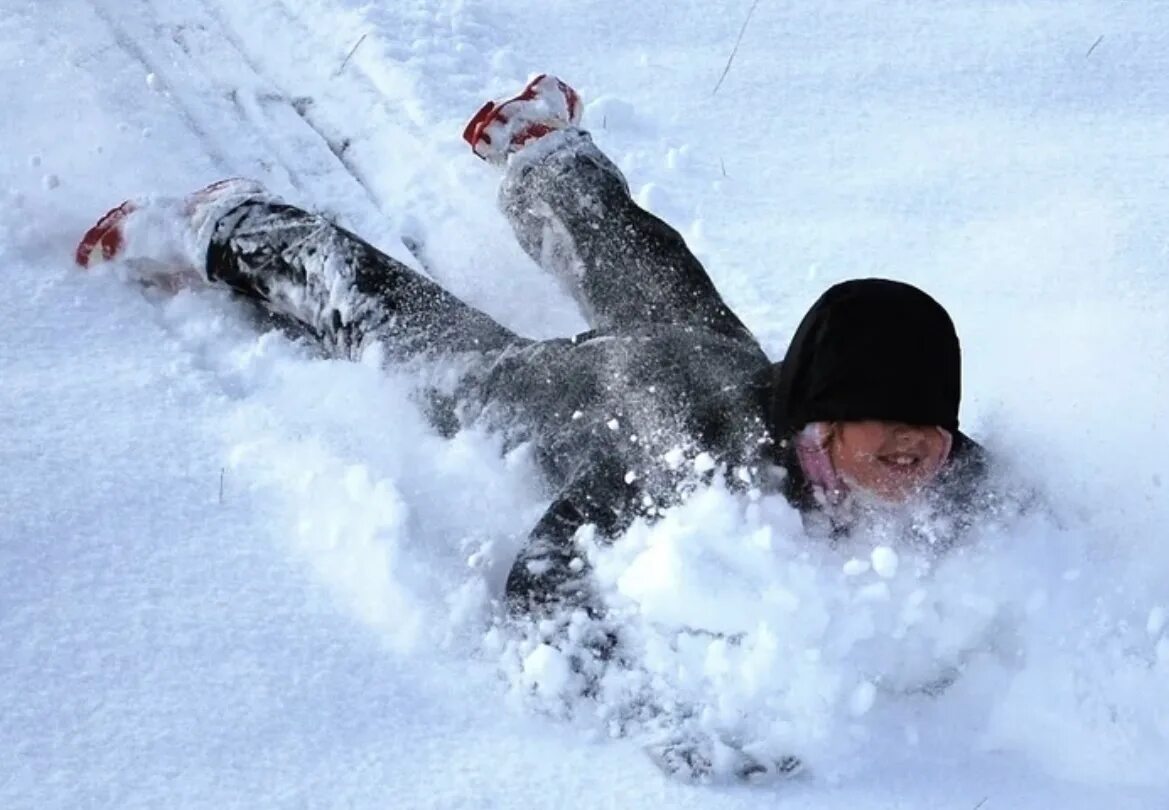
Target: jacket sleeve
[[551, 571]]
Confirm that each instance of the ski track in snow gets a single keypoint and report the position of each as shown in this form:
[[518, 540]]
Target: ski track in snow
[[235, 574]]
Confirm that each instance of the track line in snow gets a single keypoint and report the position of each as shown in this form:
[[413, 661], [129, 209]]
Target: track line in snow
[[277, 102], [245, 119], [374, 114], [128, 44]]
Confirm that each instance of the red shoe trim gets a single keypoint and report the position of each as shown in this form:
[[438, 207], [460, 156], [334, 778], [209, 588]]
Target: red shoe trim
[[106, 234], [573, 101], [474, 128], [529, 91], [531, 133], [474, 132]]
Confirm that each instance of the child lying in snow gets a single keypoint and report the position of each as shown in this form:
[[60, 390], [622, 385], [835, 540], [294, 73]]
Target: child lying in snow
[[862, 412]]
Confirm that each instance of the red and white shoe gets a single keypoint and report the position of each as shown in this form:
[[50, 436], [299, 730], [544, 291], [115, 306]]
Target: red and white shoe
[[547, 104], [164, 236]]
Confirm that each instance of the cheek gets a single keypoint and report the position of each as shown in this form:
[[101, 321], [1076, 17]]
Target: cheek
[[939, 450], [863, 470]]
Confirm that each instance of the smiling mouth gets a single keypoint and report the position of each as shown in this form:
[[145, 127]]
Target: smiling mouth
[[900, 461]]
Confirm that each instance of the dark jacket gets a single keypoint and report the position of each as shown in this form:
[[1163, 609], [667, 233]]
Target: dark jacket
[[608, 414], [671, 373], [618, 416]]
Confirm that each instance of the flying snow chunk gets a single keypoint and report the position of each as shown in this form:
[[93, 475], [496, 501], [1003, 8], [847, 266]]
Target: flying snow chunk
[[609, 112], [855, 567], [862, 699], [613, 424], [653, 197], [547, 670], [876, 592], [678, 158], [703, 462], [885, 562], [1156, 622], [674, 458]]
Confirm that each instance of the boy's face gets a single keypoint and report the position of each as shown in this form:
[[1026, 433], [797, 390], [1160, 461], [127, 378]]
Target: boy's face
[[890, 460]]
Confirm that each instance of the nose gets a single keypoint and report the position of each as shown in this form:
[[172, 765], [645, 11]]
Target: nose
[[906, 437]]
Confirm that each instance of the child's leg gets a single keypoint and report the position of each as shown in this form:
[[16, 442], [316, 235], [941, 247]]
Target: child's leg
[[571, 210], [295, 264], [339, 286]]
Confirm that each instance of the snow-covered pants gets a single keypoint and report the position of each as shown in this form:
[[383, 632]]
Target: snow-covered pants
[[341, 289], [666, 359], [571, 211]]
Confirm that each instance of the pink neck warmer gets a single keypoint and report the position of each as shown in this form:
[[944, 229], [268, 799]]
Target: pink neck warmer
[[816, 463]]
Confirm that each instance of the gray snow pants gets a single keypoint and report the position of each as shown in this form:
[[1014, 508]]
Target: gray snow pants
[[571, 211], [631, 273]]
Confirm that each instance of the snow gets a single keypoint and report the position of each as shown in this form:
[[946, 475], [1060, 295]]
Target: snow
[[704, 462], [884, 560], [233, 573]]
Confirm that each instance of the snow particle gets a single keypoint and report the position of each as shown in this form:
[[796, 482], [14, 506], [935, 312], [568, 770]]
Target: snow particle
[[876, 592], [152, 81], [630, 477], [704, 462], [862, 699], [674, 458], [1156, 622], [585, 534], [613, 424], [546, 628], [34, 161], [547, 671], [884, 562], [577, 415], [50, 181], [855, 567]]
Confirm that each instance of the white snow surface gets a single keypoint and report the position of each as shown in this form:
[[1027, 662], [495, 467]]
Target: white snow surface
[[234, 574]]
